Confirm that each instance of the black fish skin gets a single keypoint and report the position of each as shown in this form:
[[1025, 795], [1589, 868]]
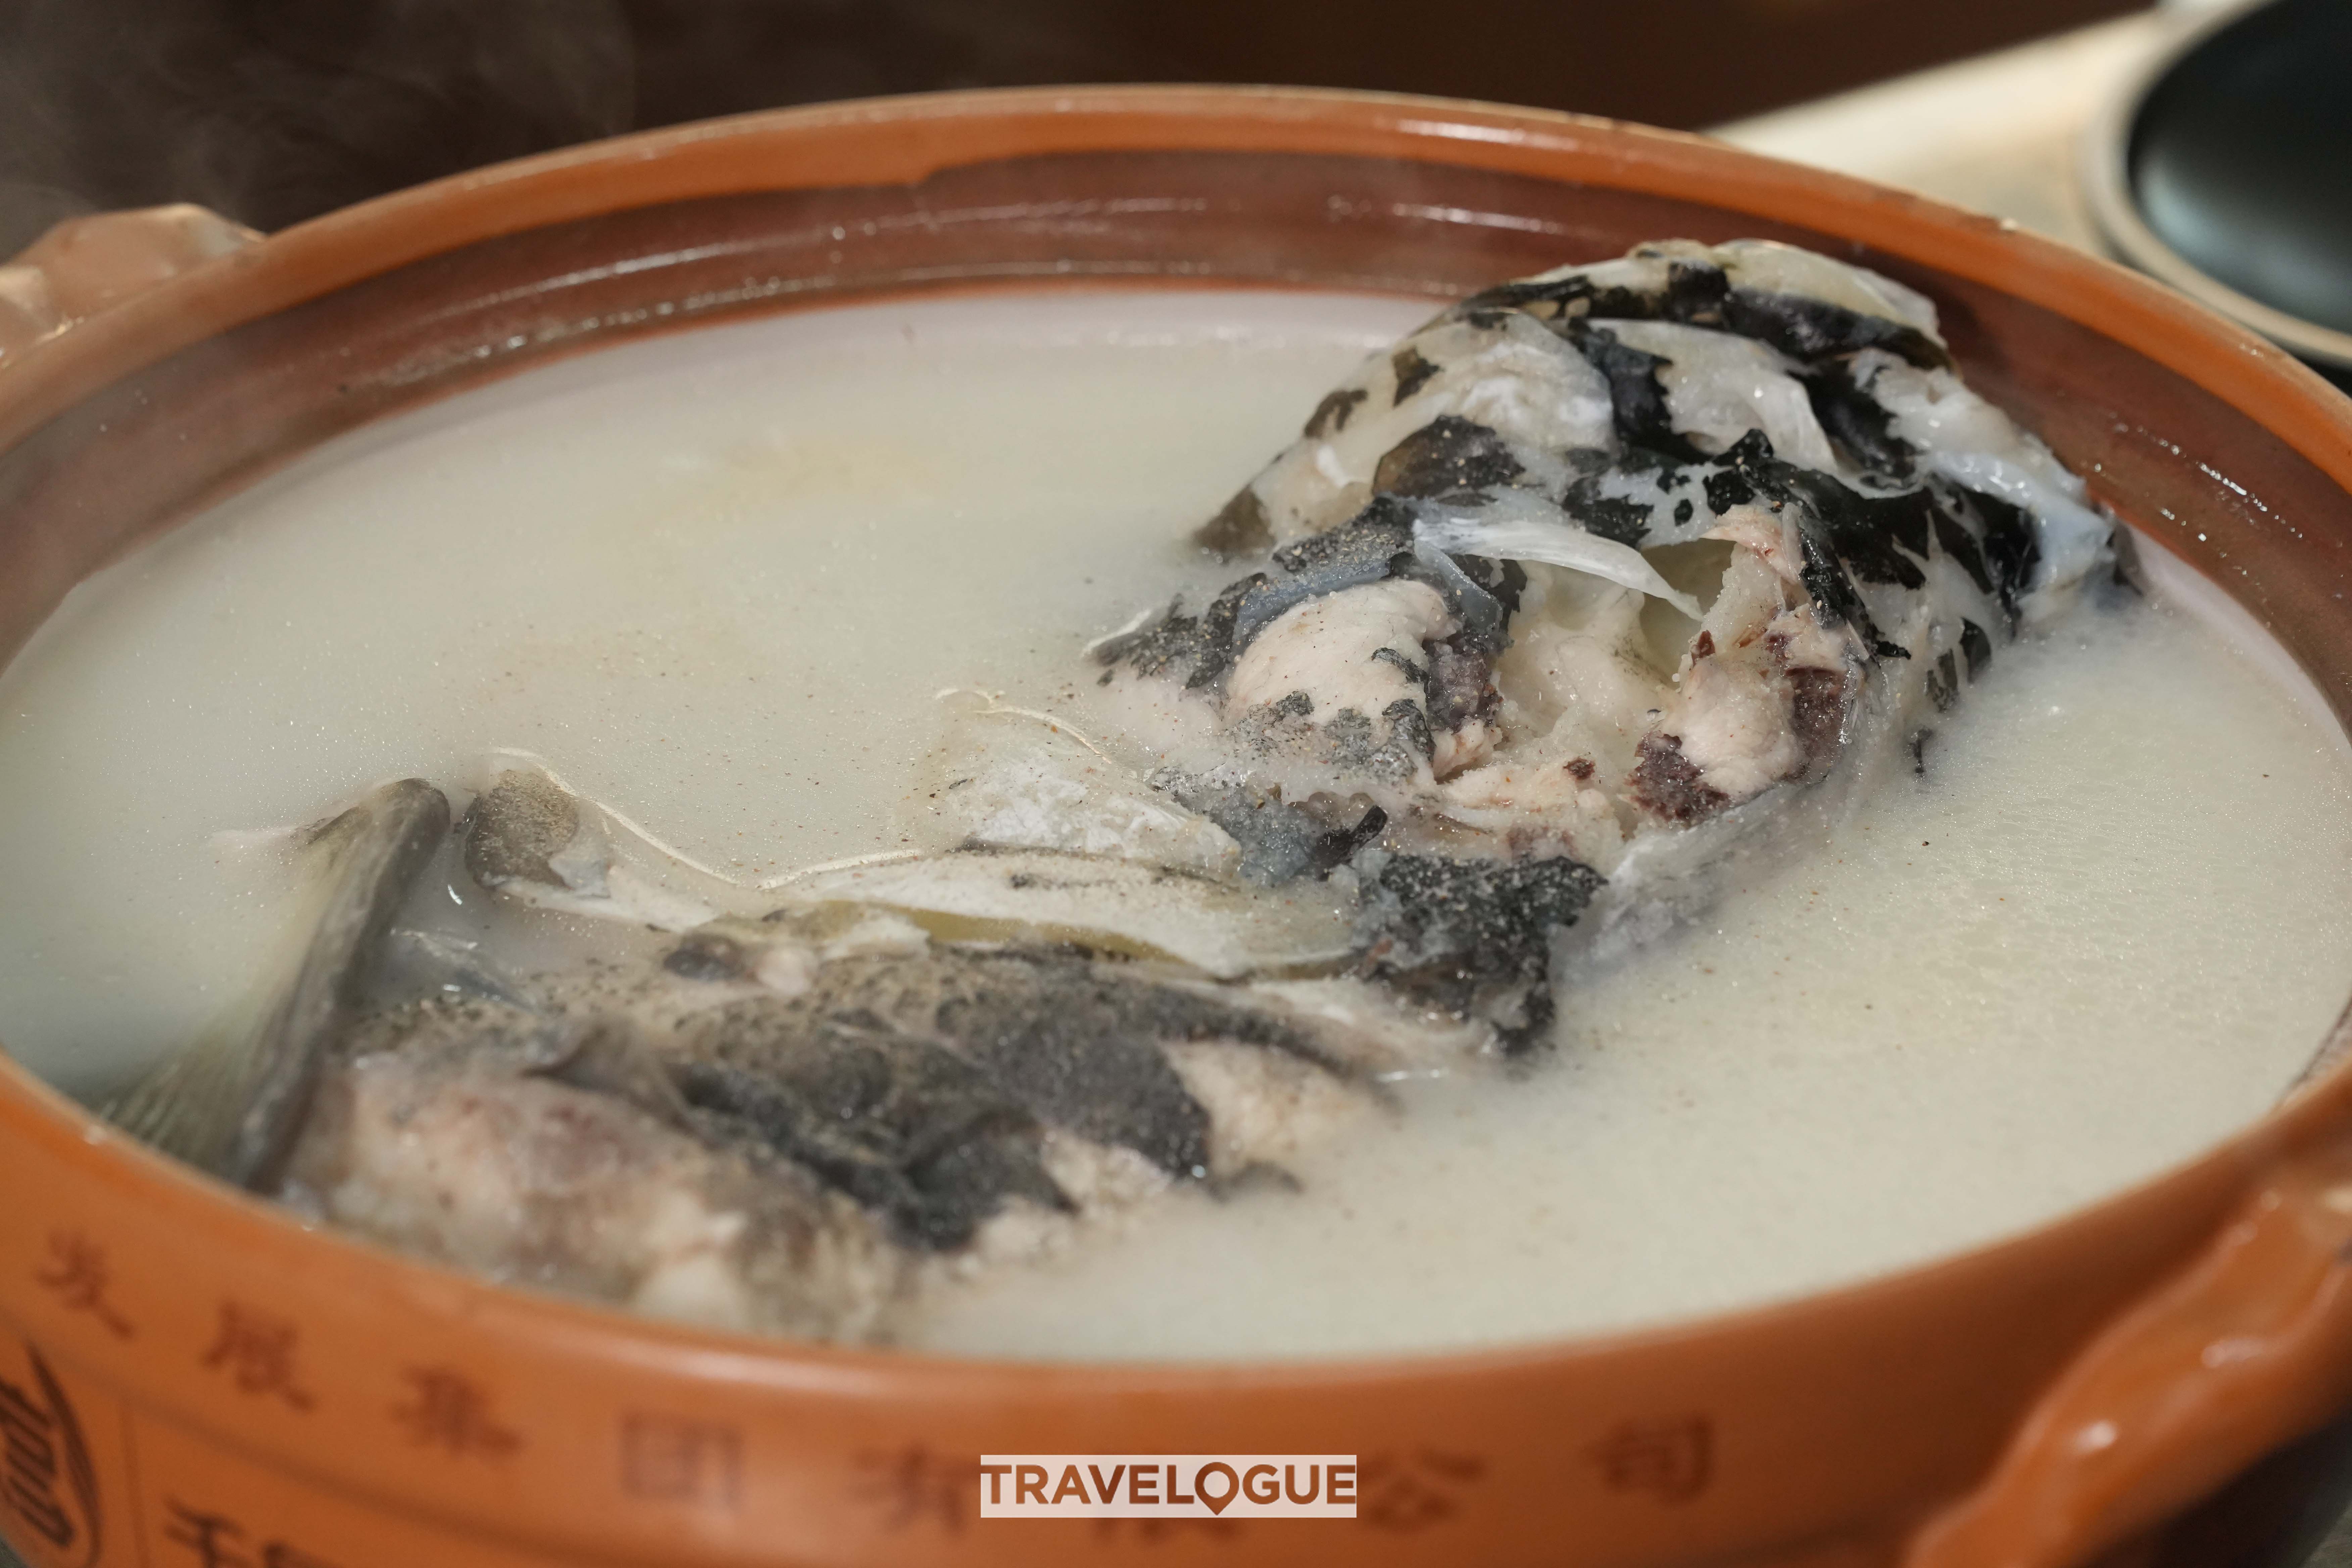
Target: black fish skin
[[1849, 535], [1694, 294], [1637, 401], [1281, 840], [1472, 935], [1976, 648], [1412, 373], [1270, 596], [1613, 517], [1333, 413], [2012, 548], [920, 1086], [1155, 648], [1480, 595], [1074, 1040], [1857, 421], [1373, 536], [1825, 579], [1215, 650], [1829, 516], [1806, 328], [905, 1126], [1876, 538], [1240, 526], [1375, 546], [1448, 456], [1953, 539]]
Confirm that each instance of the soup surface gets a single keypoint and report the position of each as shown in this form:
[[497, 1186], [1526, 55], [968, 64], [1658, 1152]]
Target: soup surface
[[716, 581]]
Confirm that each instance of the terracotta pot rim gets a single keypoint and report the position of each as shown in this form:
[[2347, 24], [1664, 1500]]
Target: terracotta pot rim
[[327, 253], [372, 237]]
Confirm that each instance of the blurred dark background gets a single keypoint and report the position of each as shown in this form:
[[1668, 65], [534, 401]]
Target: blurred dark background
[[273, 110]]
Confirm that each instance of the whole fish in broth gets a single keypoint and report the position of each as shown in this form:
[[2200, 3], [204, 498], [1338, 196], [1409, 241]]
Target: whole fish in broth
[[1591, 583]]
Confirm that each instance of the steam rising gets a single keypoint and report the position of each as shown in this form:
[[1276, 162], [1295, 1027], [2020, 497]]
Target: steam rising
[[272, 111]]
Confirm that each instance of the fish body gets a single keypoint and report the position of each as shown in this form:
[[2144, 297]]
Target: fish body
[[802, 1123], [1597, 581], [1582, 586]]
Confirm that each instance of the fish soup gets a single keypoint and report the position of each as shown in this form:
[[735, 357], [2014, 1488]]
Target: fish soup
[[820, 589]]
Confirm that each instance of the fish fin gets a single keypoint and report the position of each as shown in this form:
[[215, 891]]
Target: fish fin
[[233, 1102]]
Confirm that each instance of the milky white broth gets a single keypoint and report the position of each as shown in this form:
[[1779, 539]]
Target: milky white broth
[[716, 579]]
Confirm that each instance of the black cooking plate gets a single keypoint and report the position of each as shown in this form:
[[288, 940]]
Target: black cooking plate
[[2240, 159]]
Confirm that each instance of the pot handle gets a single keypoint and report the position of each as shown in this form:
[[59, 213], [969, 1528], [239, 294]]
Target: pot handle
[[2246, 1348], [85, 264]]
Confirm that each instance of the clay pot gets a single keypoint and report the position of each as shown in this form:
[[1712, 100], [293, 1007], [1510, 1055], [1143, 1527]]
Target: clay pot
[[184, 1365]]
